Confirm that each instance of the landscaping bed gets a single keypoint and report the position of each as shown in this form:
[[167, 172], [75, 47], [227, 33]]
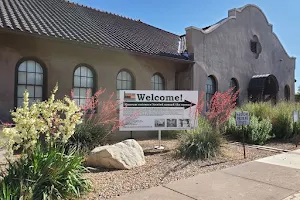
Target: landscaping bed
[[163, 167]]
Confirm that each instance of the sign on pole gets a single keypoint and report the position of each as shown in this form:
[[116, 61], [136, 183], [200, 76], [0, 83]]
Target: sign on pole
[[149, 110], [295, 116], [242, 118]]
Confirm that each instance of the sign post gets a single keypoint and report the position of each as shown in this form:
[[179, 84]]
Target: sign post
[[159, 147], [242, 119], [295, 120], [158, 110]]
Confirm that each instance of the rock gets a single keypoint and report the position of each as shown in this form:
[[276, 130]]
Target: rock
[[123, 155]]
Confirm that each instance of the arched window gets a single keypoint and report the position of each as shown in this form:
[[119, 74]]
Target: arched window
[[125, 81], [287, 93], [234, 84], [83, 84], [158, 82], [211, 88], [31, 77]]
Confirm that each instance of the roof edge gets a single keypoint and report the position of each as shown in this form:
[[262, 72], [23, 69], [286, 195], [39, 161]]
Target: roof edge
[[95, 46], [233, 16]]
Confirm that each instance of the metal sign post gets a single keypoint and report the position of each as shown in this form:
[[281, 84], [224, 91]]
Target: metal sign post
[[295, 119], [242, 119], [244, 142], [159, 147]]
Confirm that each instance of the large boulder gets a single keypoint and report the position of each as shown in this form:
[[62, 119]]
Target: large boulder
[[123, 155]]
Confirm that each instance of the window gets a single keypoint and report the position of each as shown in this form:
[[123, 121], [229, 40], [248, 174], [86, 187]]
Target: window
[[30, 77], [210, 90], [124, 81], [157, 81], [255, 46], [235, 86], [83, 84], [286, 93]]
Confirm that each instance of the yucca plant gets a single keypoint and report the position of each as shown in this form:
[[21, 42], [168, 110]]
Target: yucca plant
[[200, 143], [8, 193], [88, 135], [45, 174]]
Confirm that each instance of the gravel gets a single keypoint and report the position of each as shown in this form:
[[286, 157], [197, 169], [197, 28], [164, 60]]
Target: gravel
[[282, 145], [163, 167]]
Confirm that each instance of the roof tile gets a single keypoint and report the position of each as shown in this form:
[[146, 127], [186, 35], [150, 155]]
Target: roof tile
[[71, 21]]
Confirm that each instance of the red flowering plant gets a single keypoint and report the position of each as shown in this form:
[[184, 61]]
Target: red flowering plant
[[221, 106], [101, 118], [199, 107]]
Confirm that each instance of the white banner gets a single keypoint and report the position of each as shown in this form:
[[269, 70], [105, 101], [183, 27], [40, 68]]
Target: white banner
[[149, 110]]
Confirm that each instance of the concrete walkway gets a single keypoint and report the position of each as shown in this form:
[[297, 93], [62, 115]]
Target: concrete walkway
[[271, 178]]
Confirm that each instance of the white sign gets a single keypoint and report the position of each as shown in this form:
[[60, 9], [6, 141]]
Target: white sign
[[242, 118], [295, 116], [144, 110]]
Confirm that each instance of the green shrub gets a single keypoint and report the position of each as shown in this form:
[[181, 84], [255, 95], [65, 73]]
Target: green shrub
[[171, 134], [283, 120], [200, 143], [88, 135], [44, 174], [260, 110], [280, 116], [296, 133], [257, 132], [282, 126]]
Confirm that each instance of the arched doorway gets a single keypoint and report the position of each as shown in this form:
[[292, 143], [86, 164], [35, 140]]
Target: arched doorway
[[287, 93], [263, 88], [210, 89], [235, 87]]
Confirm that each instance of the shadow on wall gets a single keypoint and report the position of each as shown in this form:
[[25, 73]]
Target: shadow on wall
[[180, 56], [5, 118]]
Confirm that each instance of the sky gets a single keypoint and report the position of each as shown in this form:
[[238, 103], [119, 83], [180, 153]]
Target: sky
[[175, 15]]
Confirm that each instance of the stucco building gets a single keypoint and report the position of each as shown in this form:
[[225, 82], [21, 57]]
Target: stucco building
[[47, 41], [243, 51]]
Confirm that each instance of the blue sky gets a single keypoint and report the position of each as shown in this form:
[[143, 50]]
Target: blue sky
[[176, 15]]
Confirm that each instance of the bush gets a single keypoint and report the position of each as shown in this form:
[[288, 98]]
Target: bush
[[257, 132], [200, 143], [100, 119], [296, 133], [282, 126], [52, 120], [280, 116], [283, 120], [88, 135], [171, 134], [48, 172], [221, 106], [259, 110], [44, 174]]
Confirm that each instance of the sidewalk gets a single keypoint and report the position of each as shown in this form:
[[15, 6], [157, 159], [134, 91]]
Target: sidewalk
[[273, 178]]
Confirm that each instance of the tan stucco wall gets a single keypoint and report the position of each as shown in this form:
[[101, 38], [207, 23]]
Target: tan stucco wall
[[60, 59], [224, 52]]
